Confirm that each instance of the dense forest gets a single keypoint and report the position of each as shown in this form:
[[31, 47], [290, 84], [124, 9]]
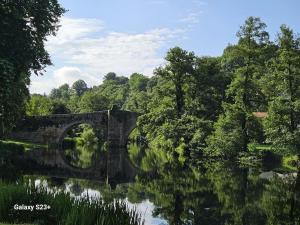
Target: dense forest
[[193, 106]]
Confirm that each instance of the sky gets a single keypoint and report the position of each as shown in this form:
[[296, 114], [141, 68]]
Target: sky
[[128, 36]]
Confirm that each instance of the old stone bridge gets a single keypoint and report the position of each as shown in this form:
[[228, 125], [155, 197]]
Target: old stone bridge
[[115, 124]]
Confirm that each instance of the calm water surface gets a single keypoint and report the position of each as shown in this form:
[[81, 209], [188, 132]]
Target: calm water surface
[[218, 193]]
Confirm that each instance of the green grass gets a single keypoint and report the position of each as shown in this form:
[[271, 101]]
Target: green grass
[[264, 147], [289, 162], [65, 209], [27, 145], [15, 224]]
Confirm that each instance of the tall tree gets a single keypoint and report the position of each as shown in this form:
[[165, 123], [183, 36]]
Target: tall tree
[[25, 26], [62, 92], [79, 87], [180, 66], [238, 125], [206, 90], [283, 88]]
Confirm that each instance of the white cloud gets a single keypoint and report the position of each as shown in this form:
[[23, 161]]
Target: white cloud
[[72, 29], [41, 86], [84, 49], [64, 75], [68, 75], [191, 18]]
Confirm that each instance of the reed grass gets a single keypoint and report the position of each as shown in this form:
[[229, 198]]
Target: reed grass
[[65, 209]]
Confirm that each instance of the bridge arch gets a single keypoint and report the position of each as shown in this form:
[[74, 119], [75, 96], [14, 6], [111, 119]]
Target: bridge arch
[[67, 128], [118, 124]]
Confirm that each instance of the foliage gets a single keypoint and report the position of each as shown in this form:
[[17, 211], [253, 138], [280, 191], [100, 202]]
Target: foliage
[[195, 107], [38, 105], [93, 101], [25, 26], [13, 93], [63, 92], [235, 128], [282, 86], [79, 87], [64, 208]]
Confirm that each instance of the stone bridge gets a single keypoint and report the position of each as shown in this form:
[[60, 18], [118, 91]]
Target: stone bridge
[[116, 125]]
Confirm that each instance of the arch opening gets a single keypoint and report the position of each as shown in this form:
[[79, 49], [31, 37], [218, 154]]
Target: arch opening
[[82, 144], [136, 147]]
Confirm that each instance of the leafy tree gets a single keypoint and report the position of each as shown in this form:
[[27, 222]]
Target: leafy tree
[[93, 101], [283, 88], [110, 76], [206, 90], [63, 92], [24, 28], [184, 99], [79, 87], [115, 90], [73, 103], [137, 100], [138, 82], [180, 66], [38, 105], [59, 107], [13, 94], [244, 91]]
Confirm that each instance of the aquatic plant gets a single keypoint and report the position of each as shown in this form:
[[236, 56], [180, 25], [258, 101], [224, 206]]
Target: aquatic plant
[[64, 209]]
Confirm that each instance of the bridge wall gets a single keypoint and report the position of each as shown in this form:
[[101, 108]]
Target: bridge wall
[[117, 125]]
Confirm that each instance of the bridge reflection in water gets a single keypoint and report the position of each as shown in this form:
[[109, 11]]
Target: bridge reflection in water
[[116, 126]]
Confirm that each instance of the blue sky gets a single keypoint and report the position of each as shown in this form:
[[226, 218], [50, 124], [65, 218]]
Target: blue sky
[[127, 36]]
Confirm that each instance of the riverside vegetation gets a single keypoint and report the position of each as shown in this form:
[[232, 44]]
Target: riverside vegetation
[[197, 107], [241, 107]]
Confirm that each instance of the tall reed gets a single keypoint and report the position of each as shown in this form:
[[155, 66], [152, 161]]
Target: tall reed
[[65, 209]]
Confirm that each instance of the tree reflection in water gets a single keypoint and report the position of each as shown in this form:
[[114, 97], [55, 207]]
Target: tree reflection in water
[[220, 193], [82, 144]]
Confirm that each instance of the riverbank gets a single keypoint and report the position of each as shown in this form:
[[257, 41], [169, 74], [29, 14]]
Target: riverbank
[[38, 205]]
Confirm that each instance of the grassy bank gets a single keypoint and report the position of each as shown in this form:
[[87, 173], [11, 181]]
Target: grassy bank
[[14, 224], [65, 210], [27, 145]]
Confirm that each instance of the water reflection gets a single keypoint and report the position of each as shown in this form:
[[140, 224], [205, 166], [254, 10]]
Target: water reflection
[[221, 193], [215, 193], [82, 144]]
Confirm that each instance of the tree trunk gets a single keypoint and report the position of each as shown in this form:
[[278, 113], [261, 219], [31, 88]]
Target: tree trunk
[[179, 100]]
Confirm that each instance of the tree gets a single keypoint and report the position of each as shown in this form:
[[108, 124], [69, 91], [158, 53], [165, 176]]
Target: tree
[[73, 103], [244, 94], [38, 105], [138, 82], [110, 76], [93, 101], [137, 100], [13, 94], [115, 90], [180, 66], [59, 107], [282, 85], [63, 92], [24, 28], [79, 87], [206, 89]]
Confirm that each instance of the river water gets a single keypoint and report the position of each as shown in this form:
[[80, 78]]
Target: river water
[[214, 193]]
